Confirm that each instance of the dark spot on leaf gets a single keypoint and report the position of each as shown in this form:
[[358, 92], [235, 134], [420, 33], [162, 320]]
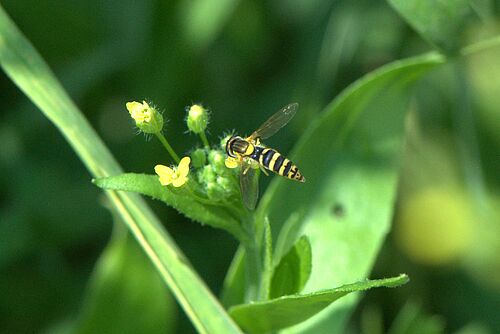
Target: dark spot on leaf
[[338, 210]]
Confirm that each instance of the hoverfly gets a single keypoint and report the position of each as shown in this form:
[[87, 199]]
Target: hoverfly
[[250, 154]]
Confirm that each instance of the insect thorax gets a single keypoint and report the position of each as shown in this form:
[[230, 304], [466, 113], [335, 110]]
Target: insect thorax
[[237, 146]]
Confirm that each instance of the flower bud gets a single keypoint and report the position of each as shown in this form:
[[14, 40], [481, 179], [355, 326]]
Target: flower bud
[[197, 119], [207, 174], [216, 159], [198, 158], [215, 191], [225, 183], [146, 118]]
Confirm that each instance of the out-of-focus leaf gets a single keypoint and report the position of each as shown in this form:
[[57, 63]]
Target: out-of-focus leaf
[[179, 199], [204, 19], [126, 294], [350, 158], [441, 22], [275, 314], [291, 274], [30, 73], [412, 320]]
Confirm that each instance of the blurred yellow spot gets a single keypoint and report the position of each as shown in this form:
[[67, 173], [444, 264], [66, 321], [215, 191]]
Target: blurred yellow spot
[[176, 176], [435, 226]]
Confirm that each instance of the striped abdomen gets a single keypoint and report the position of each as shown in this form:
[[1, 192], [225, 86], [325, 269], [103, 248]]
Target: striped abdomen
[[274, 161]]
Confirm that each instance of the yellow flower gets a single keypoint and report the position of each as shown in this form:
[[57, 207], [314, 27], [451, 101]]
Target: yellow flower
[[146, 118], [176, 176], [140, 112]]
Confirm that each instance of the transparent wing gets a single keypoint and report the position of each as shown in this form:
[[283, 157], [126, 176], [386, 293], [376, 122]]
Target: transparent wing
[[249, 185], [275, 122]]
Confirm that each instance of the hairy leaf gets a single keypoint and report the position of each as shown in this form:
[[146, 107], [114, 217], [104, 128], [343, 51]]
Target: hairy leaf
[[179, 199], [275, 314]]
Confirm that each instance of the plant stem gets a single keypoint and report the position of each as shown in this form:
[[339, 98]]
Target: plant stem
[[169, 148], [253, 265], [204, 139]]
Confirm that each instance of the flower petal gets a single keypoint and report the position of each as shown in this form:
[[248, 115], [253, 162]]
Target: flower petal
[[183, 169], [134, 107], [179, 181], [165, 173]]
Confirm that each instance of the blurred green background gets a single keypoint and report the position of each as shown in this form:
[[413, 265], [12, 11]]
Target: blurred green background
[[244, 60]]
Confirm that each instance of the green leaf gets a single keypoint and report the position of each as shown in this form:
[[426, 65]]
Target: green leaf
[[441, 22], [350, 157], [30, 73], [126, 294], [375, 97], [179, 199], [275, 314], [291, 274]]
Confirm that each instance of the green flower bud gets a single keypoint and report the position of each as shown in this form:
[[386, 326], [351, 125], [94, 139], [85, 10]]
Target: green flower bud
[[225, 184], [216, 159], [146, 118], [207, 174], [198, 158], [215, 191], [197, 119]]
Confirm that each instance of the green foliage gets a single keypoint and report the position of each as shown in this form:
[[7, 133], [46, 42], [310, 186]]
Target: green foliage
[[411, 319], [275, 314], [291, 274], [27, 69], [201, 23], [350, 155], [352, 151], [233, 291], [441, 22], [180, 199], [124, 282]]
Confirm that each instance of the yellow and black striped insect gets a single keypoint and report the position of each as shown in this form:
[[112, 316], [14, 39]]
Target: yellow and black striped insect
[[250, 154]]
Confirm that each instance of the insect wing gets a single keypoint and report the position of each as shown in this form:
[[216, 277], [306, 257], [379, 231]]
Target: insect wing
[[275, 122], [249, 185]]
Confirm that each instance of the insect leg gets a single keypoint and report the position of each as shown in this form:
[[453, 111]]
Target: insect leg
[[247, 167]]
